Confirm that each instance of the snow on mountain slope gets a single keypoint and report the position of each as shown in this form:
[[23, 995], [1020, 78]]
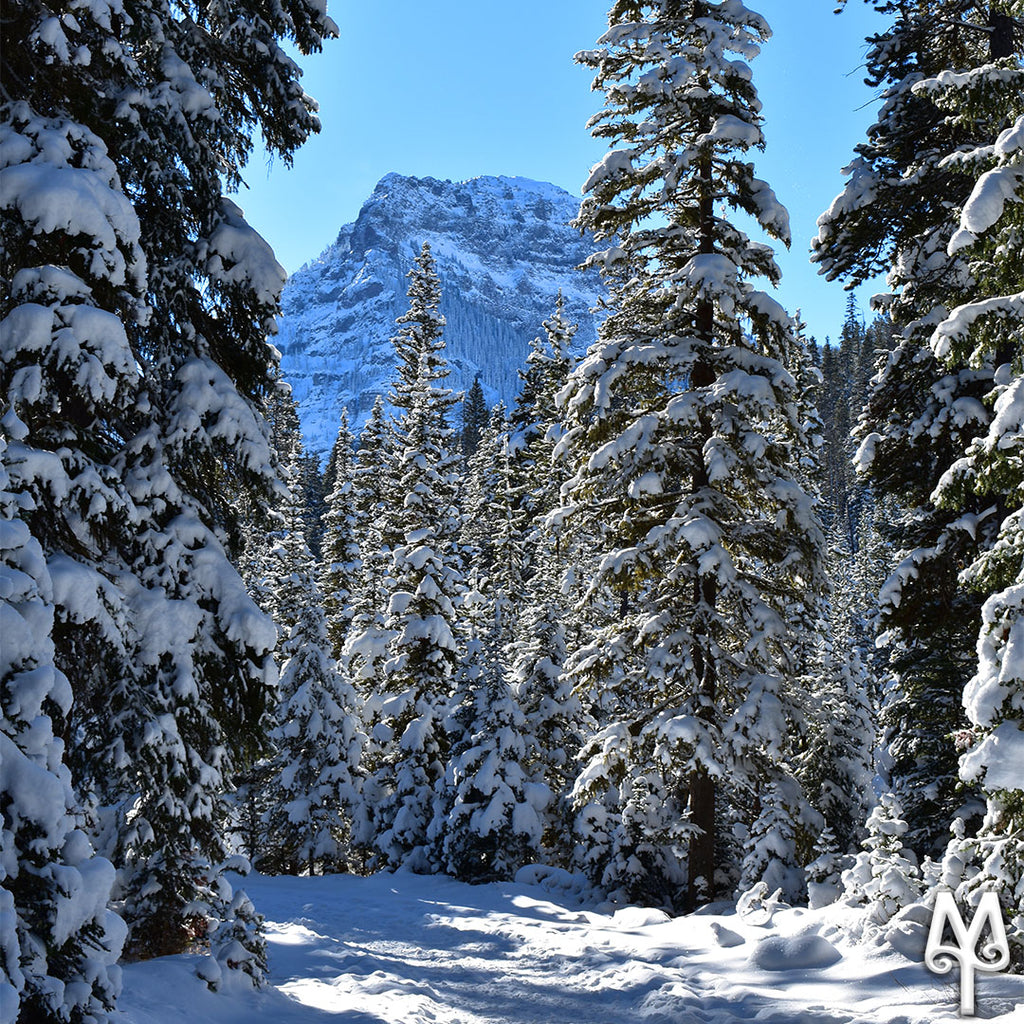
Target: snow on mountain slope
[[503, 247], [423, 949]]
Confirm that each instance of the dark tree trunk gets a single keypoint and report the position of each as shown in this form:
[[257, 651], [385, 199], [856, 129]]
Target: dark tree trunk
[[701, 862], [701, 857], [700, 868], [1001, 38]]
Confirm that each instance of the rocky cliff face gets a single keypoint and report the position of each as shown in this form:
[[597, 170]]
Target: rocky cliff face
[[503, 248]]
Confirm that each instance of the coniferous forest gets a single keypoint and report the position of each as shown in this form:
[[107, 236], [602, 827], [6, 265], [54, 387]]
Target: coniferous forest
[[713, 609]]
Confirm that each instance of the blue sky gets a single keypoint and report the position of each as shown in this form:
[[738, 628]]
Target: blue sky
[[454, 89]]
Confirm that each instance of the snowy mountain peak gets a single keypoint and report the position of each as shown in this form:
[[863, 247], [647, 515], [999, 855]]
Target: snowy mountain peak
[[504, 246]]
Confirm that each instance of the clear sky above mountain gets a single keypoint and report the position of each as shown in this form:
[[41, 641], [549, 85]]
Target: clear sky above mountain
[[453, 89]]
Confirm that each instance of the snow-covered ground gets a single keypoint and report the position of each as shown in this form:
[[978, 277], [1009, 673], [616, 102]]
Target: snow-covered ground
[[409, 949]]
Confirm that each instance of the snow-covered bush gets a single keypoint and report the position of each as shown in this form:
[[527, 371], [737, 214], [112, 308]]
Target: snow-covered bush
[[885, 877]]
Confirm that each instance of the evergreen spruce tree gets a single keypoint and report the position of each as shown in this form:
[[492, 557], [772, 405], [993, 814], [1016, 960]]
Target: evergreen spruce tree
[[824, 873], [508, 571], [376, 510], [838, 398], [684, 425], [553, 712], [261, 523], [988, 330], [421, 651], [885, 877], [290, 557], [341, 570], [942, 406], [548, 364], [948, 75], [375, 502], [536, 426], [474, 419], [484, 482], [266, 550], [318, 739], [922, 410], [489, 823], [58, 942], [836, 765], [133, 434], [316, 488], [770, 844], [69, 381], [494, 525]]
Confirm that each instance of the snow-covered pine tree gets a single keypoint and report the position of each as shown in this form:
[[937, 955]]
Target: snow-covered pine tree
[[536, 422], [836, 764], [72, 276], [493, 527], [373, 492], [341, 569], [548, 364], [810, 385], [260, 518], [124, 133], [683, 425], [507, 520], [771, 841], [421, 653], [317, 737], [264, 553], [953, 383], [895, 215], [836, 738], [316, 489], [552, 712], [365, 648], [419, 344], [536, 658], [474, 419], [837, 751], [485, 481], [58, 942], [290, 558], [488, 824], [988, 330], [885, 877], [72, 409], [836, 398]]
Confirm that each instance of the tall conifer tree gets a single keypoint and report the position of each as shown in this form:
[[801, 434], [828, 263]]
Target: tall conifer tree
[[421, 651], [121, 136], [318, 741], [488, 823], [474, 419], [373, 491], [553, 713], [684, 421], [341, 569], [58, 943], [928, 401], [988, 330]]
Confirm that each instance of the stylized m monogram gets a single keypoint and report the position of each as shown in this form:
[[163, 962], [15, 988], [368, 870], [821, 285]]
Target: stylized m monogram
[[991, 957]]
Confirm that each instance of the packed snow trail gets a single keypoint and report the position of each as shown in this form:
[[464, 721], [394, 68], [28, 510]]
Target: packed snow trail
[[408, 949]]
